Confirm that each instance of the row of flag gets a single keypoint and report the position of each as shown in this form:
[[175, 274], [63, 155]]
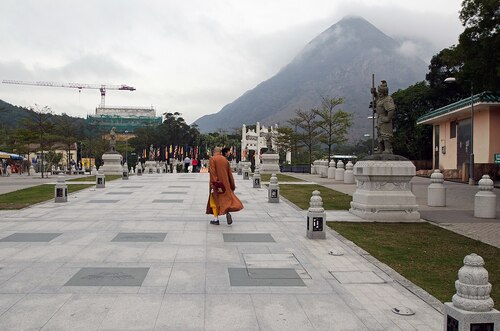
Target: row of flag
[[179, 152]]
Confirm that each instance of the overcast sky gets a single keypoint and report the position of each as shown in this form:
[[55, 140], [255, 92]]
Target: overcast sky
[[189, 56]]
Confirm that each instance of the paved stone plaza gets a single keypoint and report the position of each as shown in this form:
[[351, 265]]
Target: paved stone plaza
[[141, 254]]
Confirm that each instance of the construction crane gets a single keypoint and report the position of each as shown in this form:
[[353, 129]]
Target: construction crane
[[101, 88]]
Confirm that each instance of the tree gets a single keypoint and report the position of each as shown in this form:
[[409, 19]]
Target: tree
[[334, 124], [309, 134], [294, 122], [410, 140], [40, 123], [68, 134], [284, 140]]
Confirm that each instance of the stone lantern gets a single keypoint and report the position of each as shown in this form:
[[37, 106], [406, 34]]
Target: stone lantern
[[485, 201], [348, 174], [256, 179], [61, 190], [273, 191], [246, 172], [100, 179], [316, 217], [125, 172], [138, 169], [436, 192]]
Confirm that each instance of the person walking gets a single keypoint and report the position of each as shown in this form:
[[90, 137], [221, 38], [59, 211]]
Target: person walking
[[187, 163], [221, 200]]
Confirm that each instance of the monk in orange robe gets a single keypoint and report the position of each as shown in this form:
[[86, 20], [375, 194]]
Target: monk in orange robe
[[221, 203]]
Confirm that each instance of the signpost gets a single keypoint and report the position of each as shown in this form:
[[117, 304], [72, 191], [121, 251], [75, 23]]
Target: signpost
[[496, 158]]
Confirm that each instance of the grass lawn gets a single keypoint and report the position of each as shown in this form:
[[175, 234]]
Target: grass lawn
[[426, 254], [31, 195], [92, 178], [281, 178], [301, 194]]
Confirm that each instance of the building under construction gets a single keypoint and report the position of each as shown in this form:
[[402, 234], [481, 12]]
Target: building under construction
[[123, 118]]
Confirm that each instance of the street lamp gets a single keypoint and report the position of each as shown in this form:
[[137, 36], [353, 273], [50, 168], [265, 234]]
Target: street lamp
[[373, 117], [451, 80], [126, 147]]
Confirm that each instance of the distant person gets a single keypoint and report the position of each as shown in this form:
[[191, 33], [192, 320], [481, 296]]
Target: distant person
[[187, 163], [8, 170], [222, 199], [195, 165]]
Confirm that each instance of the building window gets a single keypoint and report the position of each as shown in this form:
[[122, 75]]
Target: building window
[[453, 129]]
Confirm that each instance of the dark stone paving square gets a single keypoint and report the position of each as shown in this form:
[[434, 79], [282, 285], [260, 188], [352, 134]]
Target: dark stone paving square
[[168, 201], [30, 237], [257, 277], [248, 237], [139, 237], [173, 192], [120, 193], [108, 277], [103, 201]]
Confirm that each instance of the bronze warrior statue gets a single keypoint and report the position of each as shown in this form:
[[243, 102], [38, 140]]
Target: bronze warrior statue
[[385, 108]]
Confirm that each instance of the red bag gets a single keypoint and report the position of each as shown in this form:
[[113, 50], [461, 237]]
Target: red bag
[[218, 187]]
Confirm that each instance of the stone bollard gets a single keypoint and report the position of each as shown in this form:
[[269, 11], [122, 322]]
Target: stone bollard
[[331, 170], [485, 201], [256, 178], [100, 179], [436, 192], [273, 191], [316, 217], [313, 168], [125, 172], [349, 174], [93, 172], [138, 169], [339, 172], [471, 307], [324, 169], [246, 172], [31, 170], [61, 190]]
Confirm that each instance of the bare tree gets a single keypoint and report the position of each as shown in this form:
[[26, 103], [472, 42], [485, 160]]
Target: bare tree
[[309, 134], [41, 125]]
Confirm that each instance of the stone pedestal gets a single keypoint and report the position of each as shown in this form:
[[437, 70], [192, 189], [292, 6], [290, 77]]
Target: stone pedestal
[[31, 170], [246, 172], [485, 201], [436, 192], [125, 172], [138, 169], [112, 164], [61, 190], [270, 163], [383, 189], [93, 172], [100, 179]]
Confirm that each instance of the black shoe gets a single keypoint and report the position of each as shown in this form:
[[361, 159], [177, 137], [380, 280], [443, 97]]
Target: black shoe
[[214, 222], [229, 219]]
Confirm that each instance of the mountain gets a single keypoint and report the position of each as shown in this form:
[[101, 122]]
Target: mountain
[[337, 63]]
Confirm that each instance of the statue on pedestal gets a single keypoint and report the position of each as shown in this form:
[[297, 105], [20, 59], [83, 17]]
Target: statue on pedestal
[[151, 153], [385, 108], [112, 141], [269, 141]]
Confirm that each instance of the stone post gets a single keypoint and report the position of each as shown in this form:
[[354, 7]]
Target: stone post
[[349, 174], [256, 178], [273, 191], [436, 192], [485, 201], [324, 169], [31, 170], [471, 307], [331, 170], [61, 190], [316, 217], [339, 172], [313, 168], [246, 172], [93, 172], [100, 179], [138, 169], [125, 172]]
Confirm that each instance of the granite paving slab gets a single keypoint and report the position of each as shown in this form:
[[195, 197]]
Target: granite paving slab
[[357, 277], [173, 192], [108, 276], [264, 277], [103, 201], [132, 186], [119, 193], [167, 201], [139, 237], [30, 237], [248, 237]]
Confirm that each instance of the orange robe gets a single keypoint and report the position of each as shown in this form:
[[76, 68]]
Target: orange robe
[[220, 170]]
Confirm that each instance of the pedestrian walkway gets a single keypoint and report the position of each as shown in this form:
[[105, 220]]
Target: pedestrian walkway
[[457, 216], [141, 254]]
